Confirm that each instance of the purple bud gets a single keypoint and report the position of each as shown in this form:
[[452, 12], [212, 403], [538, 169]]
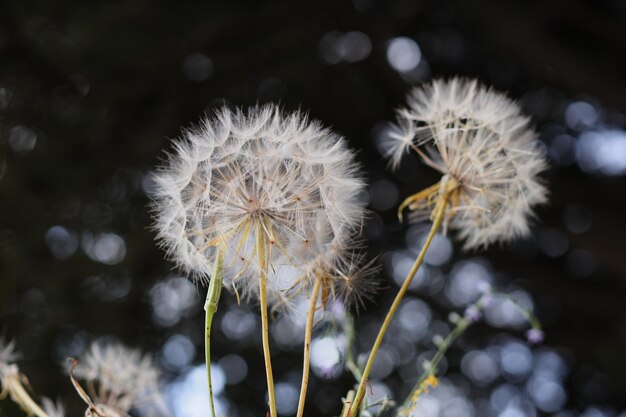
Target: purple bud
[[486, 300], [484, 287], [534, 336], [472, 313]]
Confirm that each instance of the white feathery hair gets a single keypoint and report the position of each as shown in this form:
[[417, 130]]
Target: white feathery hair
[[52, 408], [125, 379], [480, 138], [260, 169], [8, 356]]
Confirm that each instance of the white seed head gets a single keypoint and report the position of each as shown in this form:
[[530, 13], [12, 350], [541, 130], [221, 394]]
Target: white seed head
[[125, 379], [240, 176], [480, 138]]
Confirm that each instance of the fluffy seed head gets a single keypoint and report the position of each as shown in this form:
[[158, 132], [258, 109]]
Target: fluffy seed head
[[479, 138], [240, 178], [119, 379]]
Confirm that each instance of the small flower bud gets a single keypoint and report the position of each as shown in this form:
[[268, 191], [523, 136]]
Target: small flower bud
[[454, 317], [535, 336], [472, 314], [486, 300], [438, 341], [484, 287]]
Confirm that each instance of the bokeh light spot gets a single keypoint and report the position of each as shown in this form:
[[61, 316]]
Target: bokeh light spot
[[403, 54]]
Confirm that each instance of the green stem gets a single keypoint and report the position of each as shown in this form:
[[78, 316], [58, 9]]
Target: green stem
[[210, 306], [528, 315], [459, 329], [351, 364], [438, 216]]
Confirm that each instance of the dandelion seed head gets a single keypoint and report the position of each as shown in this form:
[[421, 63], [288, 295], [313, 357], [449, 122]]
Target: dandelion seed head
[[480, 138], [243, 176], [356, 280], [123, 378]]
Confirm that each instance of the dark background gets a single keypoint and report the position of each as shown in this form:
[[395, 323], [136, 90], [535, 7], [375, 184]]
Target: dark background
[[90, 92]]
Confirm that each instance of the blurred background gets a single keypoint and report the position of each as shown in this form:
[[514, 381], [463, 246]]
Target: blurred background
[[90, 92]]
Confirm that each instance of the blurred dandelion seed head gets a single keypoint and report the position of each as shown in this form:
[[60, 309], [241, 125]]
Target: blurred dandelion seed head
[[479, 138], [356, 280], [120, 379]]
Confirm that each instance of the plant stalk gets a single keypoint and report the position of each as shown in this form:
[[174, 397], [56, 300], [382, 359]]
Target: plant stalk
[[459, 329], [210, 306], [438, 216], [261, 253], [307, 347]]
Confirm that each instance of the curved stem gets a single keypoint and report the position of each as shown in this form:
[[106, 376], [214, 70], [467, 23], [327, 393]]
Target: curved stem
[[307, 347], [438, 216], [260, 248], [210, 306]]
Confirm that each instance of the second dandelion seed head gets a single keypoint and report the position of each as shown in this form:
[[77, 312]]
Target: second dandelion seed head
[[486, 150]]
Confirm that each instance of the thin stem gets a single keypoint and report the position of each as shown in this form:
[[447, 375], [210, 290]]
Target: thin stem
[[260, 248], [210, 306], [460, 328], [351, 364], [307, 347], [528, 314], [438, 216]]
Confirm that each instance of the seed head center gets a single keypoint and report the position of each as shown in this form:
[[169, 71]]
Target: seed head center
[[254, 208]]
